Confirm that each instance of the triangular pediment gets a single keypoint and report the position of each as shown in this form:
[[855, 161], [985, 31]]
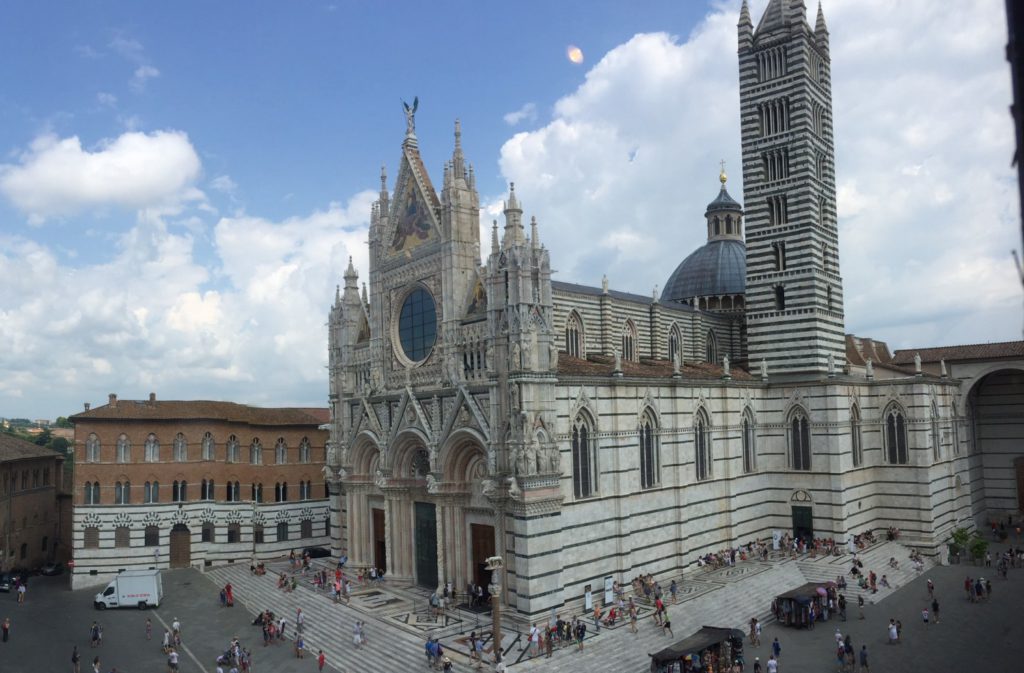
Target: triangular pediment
[[413, 217]]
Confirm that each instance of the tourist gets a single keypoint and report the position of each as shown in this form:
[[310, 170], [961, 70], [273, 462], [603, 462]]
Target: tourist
[[321, 659], [776, 649], [931, 588], [860, 606], [22, 588], [75, 659], [757, 665], [893, 634], [773, 665], [6, 628], [924, 616], [357, 636], [935, 610], [666, 625], [96, 664], [673, 589], [864, 659]]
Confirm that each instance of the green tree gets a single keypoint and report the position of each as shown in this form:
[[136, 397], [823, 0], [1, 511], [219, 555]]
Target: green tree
[[60, 444], [44, 437], [63, 422]]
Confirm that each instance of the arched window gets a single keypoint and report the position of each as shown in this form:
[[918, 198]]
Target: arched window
[[584, 467], [255, 452], [305, 529], [702, 445], [799, 441], [151, 538], [91, 537], [232, 449], [305, 450], [124, 449], [257, 492], [650, 460], [179, 491], [675, 343], [281, 492], [209, 493], [208, 531], [282, 531], [711, 348], [151, 492], [152, 448], [629, 339], [281, 451], [749, 446], [857, 448], [180, 448], [303, 490], [717, 226], [92, 448], [122, 537], [574, 336], [936, 437], [896, 436], [232, 492], [92, 493], [208, 446], [123, 493]]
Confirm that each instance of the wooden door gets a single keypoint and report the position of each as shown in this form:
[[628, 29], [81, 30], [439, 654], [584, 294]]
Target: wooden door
[[482, 541], [1018, 464], [380, 547], [181, 546]]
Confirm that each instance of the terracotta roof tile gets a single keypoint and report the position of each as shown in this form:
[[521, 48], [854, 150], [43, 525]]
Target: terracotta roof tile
[[206, 410], [603, 365], [1004, 349], [15, 448]]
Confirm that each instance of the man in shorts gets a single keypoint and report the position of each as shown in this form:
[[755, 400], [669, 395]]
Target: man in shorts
[[172, 661]]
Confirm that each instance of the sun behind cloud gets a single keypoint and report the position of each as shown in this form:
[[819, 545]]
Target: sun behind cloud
[[574, 53]]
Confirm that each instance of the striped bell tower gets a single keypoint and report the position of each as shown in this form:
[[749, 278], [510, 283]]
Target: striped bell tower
[[794, 293]]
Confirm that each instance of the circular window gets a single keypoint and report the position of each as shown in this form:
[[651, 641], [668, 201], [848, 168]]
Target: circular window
[[417, 325]]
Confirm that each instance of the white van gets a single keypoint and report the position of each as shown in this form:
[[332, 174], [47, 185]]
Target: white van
[[132, 589]]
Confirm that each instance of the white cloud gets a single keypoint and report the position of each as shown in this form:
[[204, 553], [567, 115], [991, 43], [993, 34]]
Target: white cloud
[[57, 176], [620, 176], [224, 184], [106, 99], [526, 113], [143, 74]]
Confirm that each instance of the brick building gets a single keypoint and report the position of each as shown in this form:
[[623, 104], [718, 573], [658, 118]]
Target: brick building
[[180, 483], [32, 527]]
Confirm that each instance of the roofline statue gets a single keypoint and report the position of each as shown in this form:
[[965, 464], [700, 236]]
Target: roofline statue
[[410, 115]]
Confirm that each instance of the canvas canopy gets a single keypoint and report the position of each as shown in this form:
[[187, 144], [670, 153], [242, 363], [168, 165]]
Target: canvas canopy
[[802, 594], [708, 636]]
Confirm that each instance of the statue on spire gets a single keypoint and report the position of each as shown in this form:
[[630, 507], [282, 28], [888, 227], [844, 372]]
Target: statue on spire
[[410, 115]]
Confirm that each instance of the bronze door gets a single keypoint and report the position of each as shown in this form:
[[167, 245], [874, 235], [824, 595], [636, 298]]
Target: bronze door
[[426, 544]]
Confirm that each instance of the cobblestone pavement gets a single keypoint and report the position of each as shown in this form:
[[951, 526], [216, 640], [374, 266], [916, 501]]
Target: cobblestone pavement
[[971, 637]]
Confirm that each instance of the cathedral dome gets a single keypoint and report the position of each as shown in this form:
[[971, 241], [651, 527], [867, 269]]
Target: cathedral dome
[[717, 268]]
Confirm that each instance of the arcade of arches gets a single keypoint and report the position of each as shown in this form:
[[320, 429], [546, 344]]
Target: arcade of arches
[[403, 519], [997, 403]]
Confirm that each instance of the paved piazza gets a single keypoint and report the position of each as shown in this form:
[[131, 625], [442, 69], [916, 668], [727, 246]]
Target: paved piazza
[[970, 637]]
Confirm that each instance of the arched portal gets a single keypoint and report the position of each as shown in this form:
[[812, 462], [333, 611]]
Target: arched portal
[[181, 546], [470, 534], [995, 424]]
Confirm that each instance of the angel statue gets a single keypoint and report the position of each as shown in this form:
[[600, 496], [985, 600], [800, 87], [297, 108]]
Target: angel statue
[[410, 115]]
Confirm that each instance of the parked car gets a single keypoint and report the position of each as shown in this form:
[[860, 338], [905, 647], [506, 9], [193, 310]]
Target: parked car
[[51, 569], [6, 582], [317, 552]]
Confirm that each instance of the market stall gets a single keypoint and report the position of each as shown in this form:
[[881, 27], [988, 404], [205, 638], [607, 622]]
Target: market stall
[[712, 645], [793, 608]]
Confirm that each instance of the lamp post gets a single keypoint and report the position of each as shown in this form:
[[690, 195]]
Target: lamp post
[[496, 564]]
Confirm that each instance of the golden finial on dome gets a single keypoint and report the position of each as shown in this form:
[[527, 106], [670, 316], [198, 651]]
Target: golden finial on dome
[[722, 177]]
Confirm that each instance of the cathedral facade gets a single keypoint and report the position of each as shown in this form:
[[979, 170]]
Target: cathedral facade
[[586, 434]]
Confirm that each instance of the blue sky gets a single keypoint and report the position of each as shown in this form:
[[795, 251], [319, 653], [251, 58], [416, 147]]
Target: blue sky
[[181, 184]]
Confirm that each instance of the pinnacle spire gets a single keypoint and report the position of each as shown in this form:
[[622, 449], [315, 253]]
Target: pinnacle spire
[[383, 179], [458, 161], [820, 29], [351, 276], [494, 237], [534, 235], [513, 220]]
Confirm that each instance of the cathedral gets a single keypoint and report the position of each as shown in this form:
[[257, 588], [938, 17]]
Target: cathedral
[[587, 434]]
